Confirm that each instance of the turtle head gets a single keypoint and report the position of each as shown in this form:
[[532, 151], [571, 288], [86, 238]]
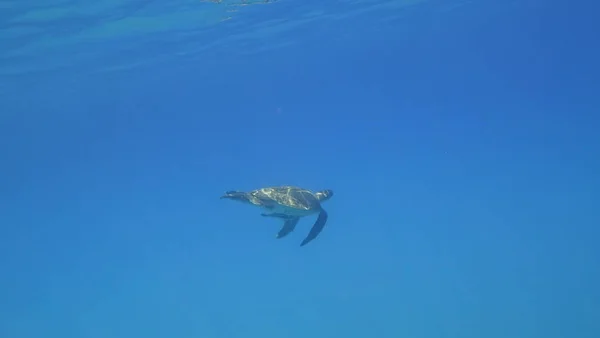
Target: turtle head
[[324, 195]]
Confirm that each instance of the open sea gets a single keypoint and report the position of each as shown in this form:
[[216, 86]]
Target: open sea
[[461, 139]]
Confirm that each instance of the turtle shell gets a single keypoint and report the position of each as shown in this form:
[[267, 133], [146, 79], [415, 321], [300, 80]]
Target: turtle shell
[[289, 196]]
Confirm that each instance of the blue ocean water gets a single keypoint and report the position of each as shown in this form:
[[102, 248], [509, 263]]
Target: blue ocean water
[[460, 138]]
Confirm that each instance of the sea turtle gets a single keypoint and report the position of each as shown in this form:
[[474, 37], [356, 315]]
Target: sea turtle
[[289, 204]]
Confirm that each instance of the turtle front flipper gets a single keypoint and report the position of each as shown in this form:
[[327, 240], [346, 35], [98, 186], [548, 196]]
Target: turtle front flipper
[[276, 215], [288, 226], [317, 228]]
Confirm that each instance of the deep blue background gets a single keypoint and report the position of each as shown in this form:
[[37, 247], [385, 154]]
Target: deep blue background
[[462, 145]]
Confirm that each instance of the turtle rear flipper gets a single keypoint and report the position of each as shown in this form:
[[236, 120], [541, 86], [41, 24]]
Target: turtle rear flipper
[[317, 228], [235, 195], [246, 197], [288, 226]]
